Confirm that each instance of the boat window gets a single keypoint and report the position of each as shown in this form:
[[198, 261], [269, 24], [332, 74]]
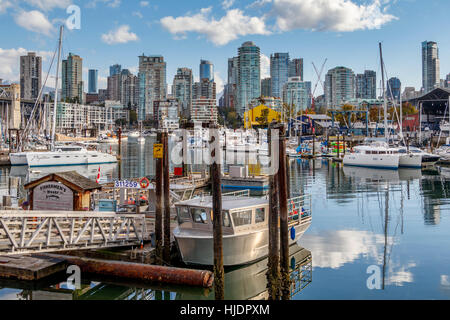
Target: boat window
[[260, 215], [226, 219], [402, 151], [183, 214], [199, 215], [242, 218], [382, 152]]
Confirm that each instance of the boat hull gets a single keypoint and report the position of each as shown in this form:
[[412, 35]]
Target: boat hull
[[410, 161], [54, 159], [18, 159], [238, 249], [385, 161]]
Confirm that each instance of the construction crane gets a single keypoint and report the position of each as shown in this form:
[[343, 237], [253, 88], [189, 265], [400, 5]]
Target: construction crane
[[319, 79]]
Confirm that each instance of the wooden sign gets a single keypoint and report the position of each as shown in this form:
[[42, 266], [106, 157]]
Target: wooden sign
[[52, 196], [158, 151]]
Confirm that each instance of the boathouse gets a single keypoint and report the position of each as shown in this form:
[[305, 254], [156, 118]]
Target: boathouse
[[64, 191], [432, 107]]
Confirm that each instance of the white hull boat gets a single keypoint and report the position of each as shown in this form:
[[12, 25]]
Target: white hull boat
[[375, 155]]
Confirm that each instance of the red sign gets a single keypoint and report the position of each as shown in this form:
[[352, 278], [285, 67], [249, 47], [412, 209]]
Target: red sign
[[178, 171], [144, 182]]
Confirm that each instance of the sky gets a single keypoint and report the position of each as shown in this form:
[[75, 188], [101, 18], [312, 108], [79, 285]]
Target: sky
[[345, 32]]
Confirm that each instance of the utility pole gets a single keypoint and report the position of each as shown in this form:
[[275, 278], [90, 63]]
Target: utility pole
[[166, 179], [158, 209]]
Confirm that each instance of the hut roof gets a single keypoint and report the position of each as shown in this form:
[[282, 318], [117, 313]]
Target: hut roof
[[72, 179]]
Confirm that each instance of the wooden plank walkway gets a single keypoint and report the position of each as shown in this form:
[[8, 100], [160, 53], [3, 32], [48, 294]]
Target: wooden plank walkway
[[30, 268]]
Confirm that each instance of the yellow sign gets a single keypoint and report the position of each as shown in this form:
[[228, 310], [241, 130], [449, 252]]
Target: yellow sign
[[158, 151]]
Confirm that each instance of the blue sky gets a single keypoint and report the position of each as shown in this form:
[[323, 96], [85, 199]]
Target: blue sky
[[346, 32]]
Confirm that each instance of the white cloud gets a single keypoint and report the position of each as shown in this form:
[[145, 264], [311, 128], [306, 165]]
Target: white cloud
[[265, 66], [138, 14], [121, 35], [4, 5], [109, 3], [9, 62], [219, 83], [231, 26], [48, 5], [329, 15], [259, 3], [34, 21], [227, 4], [144, 3]]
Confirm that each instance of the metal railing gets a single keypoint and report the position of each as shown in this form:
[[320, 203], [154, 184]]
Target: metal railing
[[240, 193], [299, 210], [24, 232]]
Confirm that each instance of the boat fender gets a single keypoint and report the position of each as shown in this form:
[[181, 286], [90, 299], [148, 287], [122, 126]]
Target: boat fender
[[293, 233], [293, 263]]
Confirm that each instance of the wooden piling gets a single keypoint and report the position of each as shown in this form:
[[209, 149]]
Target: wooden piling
[[273, 271], [158, 205], [166, 179], [284, 229], [219, 273], [338, 147]]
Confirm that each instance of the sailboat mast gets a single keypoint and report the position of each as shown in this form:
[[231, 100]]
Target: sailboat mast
[[56, 86], [386, 134]]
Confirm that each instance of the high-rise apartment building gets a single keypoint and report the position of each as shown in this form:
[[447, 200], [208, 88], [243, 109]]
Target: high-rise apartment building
[[394, 89], [205, 88], [72, 78], [279, 72], [296, 68], [339, 87], [129, 91], [297, 93], [182, 90], [30, 76], [366, 85], [230, 93], [152, 83], [115, 69], [206, 70], [249, 75], [266, 87], [93, 81], [430, 66]]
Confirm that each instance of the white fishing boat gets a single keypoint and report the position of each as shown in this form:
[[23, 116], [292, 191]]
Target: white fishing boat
[[245, 228]]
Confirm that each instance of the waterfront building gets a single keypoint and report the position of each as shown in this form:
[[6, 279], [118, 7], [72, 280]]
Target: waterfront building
[[152, 83], [296, 68], [30, 76], [279, 73], [249, 75], [430, 66], [297, 93], [204, 110], [72, 78], [115, 69], [260, 115], [266, 88], [182, 90], [366, 85], [206, 70], [93, 81], [166, 114], [339, 87], [92, 98], [394, 89]]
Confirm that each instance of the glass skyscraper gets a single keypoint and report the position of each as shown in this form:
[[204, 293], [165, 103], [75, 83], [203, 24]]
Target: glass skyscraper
[[93, 81], [249, 75], [152, 84], [339, 87], [297, 93], [279, 72], [430, 66], [115, 69], [366, 85], [394, 89], [206, 70]]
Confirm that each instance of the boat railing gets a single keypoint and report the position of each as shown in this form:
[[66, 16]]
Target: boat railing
[[239, 194], [299, 210]]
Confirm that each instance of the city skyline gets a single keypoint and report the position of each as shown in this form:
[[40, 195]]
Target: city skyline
[[159, 22]]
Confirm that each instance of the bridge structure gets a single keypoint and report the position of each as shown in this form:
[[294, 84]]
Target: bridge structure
[[27, 232]]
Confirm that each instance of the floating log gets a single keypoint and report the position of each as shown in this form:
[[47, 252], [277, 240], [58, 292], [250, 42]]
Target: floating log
[[145, 272]]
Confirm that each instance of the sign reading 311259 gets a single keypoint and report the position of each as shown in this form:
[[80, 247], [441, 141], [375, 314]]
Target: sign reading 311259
[[126, 184]]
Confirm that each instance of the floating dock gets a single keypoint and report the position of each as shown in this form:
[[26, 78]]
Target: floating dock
[[30, 268]]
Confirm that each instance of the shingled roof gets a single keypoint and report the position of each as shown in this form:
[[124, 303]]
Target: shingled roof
[[72, 179]]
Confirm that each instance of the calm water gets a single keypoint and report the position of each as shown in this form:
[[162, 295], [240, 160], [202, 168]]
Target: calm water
[[395, 222]]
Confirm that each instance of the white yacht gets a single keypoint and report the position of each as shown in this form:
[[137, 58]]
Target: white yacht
[[377, 154], [245, 228], [62, 156], [443, 152], [416, 158]]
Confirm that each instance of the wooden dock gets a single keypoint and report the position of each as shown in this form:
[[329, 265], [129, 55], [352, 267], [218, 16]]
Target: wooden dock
[[30, 268], [4, 159]]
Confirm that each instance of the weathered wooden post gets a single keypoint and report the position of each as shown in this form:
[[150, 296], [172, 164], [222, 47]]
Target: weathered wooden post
[[158, 194], [219, 273], [273, 271], [284, 228], [166, 178], [343, 142], [120, 153], [338, 147]]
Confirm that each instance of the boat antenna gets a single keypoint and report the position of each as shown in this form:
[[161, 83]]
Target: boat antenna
[[61, 29], [386, 133]]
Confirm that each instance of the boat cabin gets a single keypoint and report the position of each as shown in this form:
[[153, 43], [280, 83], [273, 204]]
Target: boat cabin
[[239, 214]]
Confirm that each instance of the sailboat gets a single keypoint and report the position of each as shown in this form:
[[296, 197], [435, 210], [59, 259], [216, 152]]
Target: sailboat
[[60, 155]]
